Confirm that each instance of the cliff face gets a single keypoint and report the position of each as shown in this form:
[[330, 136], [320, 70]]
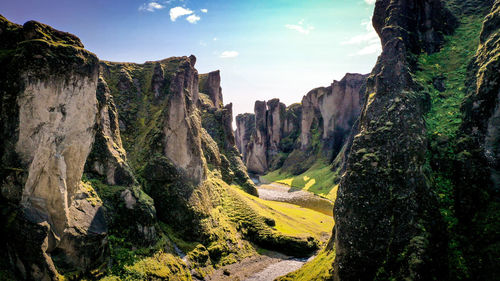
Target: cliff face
[[325, 117], [48, 115], [386, 215], [477, 185], [245, 126], [210, 85], [217, 121], [108, 158], [337, 106], [175, 108]]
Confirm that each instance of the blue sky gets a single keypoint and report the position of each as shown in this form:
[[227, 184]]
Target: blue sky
[[264, 48]]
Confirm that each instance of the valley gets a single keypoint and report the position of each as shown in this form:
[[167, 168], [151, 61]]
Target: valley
[[122, 171]]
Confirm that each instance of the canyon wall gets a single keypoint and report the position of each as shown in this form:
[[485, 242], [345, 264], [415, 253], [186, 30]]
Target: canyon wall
[[325, 117], [387, 221], [48, 114], [86, 143]]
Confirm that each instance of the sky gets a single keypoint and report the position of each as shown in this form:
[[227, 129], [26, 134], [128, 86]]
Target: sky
[[264, 48]]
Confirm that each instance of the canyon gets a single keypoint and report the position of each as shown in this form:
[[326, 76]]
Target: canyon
[[132, 171]]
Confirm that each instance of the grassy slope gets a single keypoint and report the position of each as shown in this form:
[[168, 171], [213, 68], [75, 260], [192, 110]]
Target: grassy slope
[[290, 219], [445, 118], [320, 268], [161, 261], [318, 179]]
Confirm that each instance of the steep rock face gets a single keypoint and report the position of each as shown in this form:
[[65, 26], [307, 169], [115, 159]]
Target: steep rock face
[[169, 116], [108, 157], [256, 160], [386, 216], [245, 126], [477, 202], [182, 126], [291, 136], [210, 85], [275, 112], [217, 121], [336, 106], [291, 122], [340, 108], [310, 115], [49, 92]]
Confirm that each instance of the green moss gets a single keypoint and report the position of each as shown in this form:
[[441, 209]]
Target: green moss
[[450, 64], [450, 67], [296, 231]]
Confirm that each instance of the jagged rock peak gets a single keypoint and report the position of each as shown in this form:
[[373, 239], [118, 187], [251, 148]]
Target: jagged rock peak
[[210, 85]]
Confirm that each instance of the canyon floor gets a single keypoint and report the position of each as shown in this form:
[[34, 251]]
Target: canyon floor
[[269, 265]]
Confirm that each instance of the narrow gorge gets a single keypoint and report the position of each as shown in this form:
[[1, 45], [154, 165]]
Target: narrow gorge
[[137, 171]]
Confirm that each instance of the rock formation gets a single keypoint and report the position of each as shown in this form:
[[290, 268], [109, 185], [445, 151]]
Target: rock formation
[[477, 185], [50, 110], [245, 126], [210, 85], [387, 220], [108, 157], [325, 117], [123, 127], [217, 121]]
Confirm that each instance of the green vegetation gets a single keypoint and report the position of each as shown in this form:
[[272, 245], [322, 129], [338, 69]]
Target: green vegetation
[[449, 68], [318, 179], [320, 268], [444, 75], [156, 262], [288, 219]]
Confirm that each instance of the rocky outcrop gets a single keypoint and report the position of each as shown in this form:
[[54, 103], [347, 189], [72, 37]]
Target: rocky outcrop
[[224, 154], [337, 106], [108, 157], [325, 117], [176, 121], [245, 126], [387, 219], [256, 160], [182, 126], [210, 85], [478, 167], [49, 90]]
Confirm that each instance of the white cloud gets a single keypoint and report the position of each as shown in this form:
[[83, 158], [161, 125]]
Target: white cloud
[[368, 42], [179, 12], [151, 7], [193, 18], [370, 49], [229, 54], [369, 37], [215, 39], [204, 11], [300, 27], [370, 2]]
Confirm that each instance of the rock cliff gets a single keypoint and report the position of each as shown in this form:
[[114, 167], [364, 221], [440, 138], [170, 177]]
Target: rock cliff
[[387, 221], [49, 109], [477, 184], [282, 137], [245, 126], [82, 141]]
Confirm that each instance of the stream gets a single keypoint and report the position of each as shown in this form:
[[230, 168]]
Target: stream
[[278, 269], [272, 265], [284, 193]]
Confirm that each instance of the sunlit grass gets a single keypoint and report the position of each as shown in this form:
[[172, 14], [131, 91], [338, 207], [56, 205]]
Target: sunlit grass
[[320, 268], [290, 219], [319, 179]]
